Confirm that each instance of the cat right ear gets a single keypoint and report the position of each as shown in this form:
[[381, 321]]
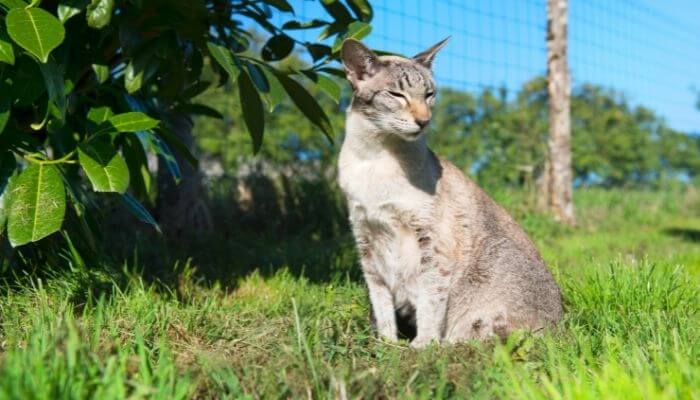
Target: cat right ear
[[359, 61]]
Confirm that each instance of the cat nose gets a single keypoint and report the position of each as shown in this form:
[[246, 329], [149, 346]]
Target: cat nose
[[422, 122]]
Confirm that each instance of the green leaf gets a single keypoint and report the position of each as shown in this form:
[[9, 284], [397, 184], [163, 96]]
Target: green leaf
[[10, 4], [225, 59], [277, 48], [101, 72], [53, 79], [362, 9], [37, 204], [7, 54], [258, 77], [140, 179], [337, 10], [104, 167], [68, 9], [275, 95], [35, 30], [99, 115], [139, 210], [294, 25], [338, 73], [167, 155], [239, 43], [96, 116], [7, 169], [356, 30], [253, 113], [127, 122], [99, 13], [154, 144], [281, 5], [198, 109], [326, 84], [173, 141], [5, 105], [332, 29], [306, 104], [133, 78], [318, 51], [196, 89]]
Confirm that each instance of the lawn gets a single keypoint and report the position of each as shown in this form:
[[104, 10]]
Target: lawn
[[629, 274]]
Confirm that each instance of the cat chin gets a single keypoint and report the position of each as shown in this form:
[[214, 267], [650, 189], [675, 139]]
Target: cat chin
[[405, 133], [410, 136]]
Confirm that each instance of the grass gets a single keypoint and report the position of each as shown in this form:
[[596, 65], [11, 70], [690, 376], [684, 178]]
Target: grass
[[629, 275]]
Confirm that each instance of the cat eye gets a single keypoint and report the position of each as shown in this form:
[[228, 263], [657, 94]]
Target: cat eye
[[429, 94], [396, 94]]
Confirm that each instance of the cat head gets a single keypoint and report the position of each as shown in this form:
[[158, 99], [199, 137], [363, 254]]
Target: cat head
[[394, 93]]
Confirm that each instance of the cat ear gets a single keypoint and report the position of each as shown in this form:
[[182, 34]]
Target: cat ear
[[426, 57], [359, 61]]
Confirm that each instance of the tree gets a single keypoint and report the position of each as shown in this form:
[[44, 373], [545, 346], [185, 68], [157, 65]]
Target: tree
[[88, 88], [500, 139], [556, 181]]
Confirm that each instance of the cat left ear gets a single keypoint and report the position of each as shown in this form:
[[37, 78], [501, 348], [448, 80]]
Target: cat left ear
[[359, 61], [426, 57]]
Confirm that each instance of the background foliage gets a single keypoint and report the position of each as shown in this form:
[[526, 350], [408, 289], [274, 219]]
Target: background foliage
[[497, 137], [88, 89]]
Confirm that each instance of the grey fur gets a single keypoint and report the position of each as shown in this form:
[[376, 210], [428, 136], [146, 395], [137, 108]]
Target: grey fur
[[434, 247]]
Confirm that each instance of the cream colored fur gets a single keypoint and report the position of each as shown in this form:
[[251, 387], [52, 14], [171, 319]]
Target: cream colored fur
[[435, 249]]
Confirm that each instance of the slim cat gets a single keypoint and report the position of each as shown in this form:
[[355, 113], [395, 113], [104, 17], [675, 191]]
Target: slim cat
[[434, 247]]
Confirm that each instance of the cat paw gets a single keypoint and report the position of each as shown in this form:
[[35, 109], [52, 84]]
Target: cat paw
[[388, 336], [388, 339], [419, 343]]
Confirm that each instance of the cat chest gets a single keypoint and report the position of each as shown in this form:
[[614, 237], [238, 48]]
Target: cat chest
[[381, 191], [386, 233], [385, 211], [389, 246]]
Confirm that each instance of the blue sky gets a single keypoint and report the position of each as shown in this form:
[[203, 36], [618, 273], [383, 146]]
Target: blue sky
[[648, 50]]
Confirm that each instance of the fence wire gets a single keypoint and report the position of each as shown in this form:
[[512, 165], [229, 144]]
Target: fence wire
[[633, 46]]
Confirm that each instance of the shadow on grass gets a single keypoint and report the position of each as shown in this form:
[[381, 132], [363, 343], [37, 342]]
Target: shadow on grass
[[299, 225], [687, 234]]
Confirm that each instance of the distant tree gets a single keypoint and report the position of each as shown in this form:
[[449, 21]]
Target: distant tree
[[497, 139], [501, 138]]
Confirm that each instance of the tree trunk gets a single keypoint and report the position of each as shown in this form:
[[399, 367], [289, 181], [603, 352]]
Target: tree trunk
[[556, 185]]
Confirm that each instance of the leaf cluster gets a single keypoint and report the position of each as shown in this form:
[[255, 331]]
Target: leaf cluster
[[89, 88]]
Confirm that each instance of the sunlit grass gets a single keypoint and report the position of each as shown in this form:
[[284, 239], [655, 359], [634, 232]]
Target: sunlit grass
[[631, 328]]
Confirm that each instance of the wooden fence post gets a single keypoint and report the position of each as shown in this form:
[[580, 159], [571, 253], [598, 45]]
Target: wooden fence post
[[557, 180]]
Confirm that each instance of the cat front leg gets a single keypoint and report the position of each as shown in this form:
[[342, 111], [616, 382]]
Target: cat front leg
[[432, 290], [431, 308], [380, 295], [382, 304]]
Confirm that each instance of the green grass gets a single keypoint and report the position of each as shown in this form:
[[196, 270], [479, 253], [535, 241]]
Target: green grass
[[629, 274]]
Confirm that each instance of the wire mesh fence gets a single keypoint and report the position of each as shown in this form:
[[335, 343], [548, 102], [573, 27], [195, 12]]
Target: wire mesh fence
[[653, 58], [637, 48]]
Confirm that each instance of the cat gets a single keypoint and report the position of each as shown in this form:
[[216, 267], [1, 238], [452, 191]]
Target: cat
[[434, 248]]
